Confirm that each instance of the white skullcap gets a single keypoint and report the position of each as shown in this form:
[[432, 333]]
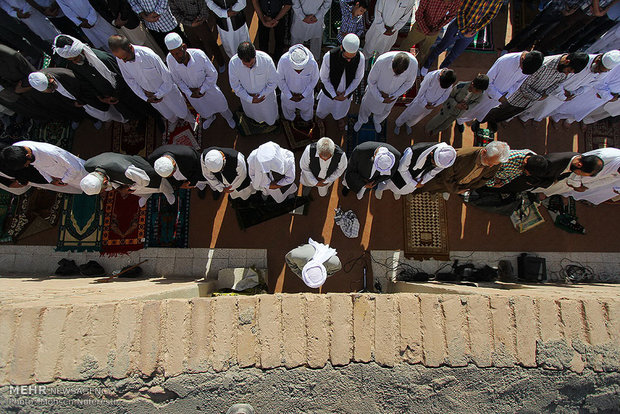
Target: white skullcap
[[68, 51], [611, 59], [299, 56], [173, 41], [38, 80], [164, 166], [384, 160], [314, 274], [214, 161], [351, 43], [92, 183], [444, 156]]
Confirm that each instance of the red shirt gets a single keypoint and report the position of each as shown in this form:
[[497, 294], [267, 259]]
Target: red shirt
[[432, 15]]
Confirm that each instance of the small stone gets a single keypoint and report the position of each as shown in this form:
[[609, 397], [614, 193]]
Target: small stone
[[157, 390]]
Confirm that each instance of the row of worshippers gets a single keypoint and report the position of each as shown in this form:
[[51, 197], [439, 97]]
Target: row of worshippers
[[270, 169]]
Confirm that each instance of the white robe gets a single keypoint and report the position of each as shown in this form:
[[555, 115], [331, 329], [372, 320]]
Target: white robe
[[430, 92], [604, 111], [147, 72], [230, 38], [327, 105], [54, 162], [610, 40], [101, 30], [199, 73], [261, 79], [292, 82], [242, 173], [16, 190], [301, 31], [260, 172], [383, 79], [37, 22], [390, 13], [505, 77], [308, 179]]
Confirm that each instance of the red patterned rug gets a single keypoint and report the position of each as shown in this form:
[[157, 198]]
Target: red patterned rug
[[123, 224], [134, 137]]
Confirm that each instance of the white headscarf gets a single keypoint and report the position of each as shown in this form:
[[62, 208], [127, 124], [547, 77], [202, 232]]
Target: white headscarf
[[299, 56], [269, 158], [38, 80], [444, 157], [314, 273], [92, 183], [77, 47]]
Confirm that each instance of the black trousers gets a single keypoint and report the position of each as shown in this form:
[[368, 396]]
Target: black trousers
[[543, 23], [160, 36], [279, 34], [503, 112], [568, 26]]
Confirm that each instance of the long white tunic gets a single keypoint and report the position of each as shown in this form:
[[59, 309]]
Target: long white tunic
[[230, 38], [199, 73], [101, 30], [327, 105], [261, 79], [604, 111], [242, 173], [383, 79], [54, 162], [390, 13], [37, 22], [16, 190], [430, 92], [303, 83], [267, 158], [308, 179], [147, 72], [301, 31], [505, 77], [607, 42]]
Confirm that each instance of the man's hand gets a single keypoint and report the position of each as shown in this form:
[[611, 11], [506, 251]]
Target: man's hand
[[297, 97], [119, 22], [502, 99], [542, 98], [85, 23], [21, 14], [615, 98], [110, 100], [462, 105], [388, 100], [579, 189], [462, 191], [228, 190], [16, 184], [430, 106], [310, 19], [419, 185], [21, 89], [186, 185], [389, 31], [257, 99], [77, 104], [153, 99], [196, 93], [51, 11], [274, 186], [58, 182], [321, 183], [125, 190], [198, 22], [469, 33], [232, 13], [340, 96]]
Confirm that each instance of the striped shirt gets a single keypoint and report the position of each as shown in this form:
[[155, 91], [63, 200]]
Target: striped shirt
[[349, 23], [510, 169], [541, 83], [475, 14], [187, 11], [432, 15], [166, 21]]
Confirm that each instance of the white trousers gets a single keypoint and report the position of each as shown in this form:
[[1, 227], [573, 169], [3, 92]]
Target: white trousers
[[327, 105], [173, 107], [266, 111], [376, 41], [305, 106], [413, 114], [232, 38], [211, 103], [370, 105]]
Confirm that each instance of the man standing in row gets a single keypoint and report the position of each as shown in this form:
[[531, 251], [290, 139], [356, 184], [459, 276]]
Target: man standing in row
[[226, 172], [370, 163], [231, 24], [270, 15], [307, 25], [390, 17], [272, 171], [321, 164], [299, 74], [179, 164]]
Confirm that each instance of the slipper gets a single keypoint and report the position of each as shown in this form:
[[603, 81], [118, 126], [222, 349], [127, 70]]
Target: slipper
[[93, 269], [67, 268]]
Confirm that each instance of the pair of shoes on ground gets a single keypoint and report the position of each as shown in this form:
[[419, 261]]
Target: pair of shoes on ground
[[69, 268]]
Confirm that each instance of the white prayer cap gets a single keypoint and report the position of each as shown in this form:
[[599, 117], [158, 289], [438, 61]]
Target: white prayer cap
[[164, 166], [299, 56], [92, 183], [314, 274], [351, 43], [444, 156], [173, 41], [38, 80], [611, 59], [68, 51], [268, 155], [214, 161], [384, 160]]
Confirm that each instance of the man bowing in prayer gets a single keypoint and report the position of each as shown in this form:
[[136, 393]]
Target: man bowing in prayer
[[272, 171], [226, 172], [370, 163], [196, 76], [321, 164], [418, 165], [299, 74], [59, 167], [341, 73], [313, 262], [150, 79], [179, 164], [391, 76], [129, 174], [254, 79]]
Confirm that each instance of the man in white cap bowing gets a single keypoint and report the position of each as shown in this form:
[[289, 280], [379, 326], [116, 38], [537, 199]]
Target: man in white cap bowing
[[391, 76], [299, 74], [341, 73], [150, 79], [313, 262], [179, 164], [370, 163], [272, 171], [129, 174], [196, 76], [418, 165], [254, 79], [226, 171], [321, 164]]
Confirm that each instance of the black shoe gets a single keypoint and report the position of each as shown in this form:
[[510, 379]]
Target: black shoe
[[460, 127], [216, 195], [492, 125], [92, 268], [67, 268], [475, 126], [345, 191], [135, 272]]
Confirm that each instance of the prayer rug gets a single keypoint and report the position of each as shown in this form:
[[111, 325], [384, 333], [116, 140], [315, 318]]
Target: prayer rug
[[5, 208], [247, 126], [54, 132], [603, 134], [365, 134], [168, 225], [124, 224], [483, 40], [300, 133], [42, 211], [80, 224], [136, 137], [408, 96], [426, 227], [182, 135], [17, 219], [255, 210], [16, 129]]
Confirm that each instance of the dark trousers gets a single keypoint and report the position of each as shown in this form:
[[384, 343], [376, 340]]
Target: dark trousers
[[543, 23], [160, 36], [279, 33], [453, 37], [501, 113], [565, 29], [202, 37]]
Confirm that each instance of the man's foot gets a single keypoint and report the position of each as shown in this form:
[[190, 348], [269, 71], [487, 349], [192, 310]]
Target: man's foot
[[423, 71], [409, 130], [460, 127], [345, 191], [377, 125], [207, 123], [396, 130], [357, 126], [231, 123]]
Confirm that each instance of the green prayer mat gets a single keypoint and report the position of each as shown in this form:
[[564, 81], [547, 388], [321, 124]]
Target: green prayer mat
[[247, 126], [56, 133], [168, 225], [80, 224]]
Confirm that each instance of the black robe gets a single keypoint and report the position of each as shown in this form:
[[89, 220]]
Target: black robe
[[114, 165], [361, 162], [186, 159], [81, 91]]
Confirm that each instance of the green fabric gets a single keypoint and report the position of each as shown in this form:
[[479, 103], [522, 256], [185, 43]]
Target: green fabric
[[81, 224]]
